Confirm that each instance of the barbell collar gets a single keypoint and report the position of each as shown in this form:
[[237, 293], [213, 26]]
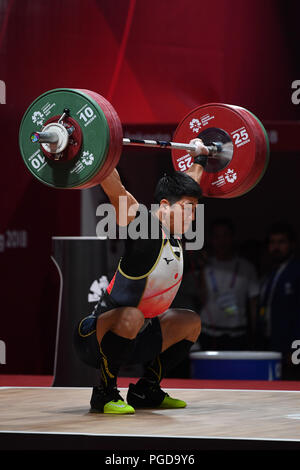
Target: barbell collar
[[66, 113]]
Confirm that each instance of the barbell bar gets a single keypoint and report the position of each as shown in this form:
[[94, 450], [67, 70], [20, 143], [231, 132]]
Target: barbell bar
[[54, 137]]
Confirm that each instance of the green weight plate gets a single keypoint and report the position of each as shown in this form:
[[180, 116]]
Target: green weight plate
[[95, 138]]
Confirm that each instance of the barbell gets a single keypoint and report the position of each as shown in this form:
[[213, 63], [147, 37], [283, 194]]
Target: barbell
[[73, 139]]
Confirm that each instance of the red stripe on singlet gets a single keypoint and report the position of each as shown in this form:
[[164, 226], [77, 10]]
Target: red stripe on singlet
[[161, 292], [111, 284]]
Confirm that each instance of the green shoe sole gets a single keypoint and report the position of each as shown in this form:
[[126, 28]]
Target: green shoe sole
[[169, 402], [116, 408]]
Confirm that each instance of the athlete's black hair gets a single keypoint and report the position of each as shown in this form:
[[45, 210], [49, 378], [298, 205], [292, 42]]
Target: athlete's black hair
[[175, 186]]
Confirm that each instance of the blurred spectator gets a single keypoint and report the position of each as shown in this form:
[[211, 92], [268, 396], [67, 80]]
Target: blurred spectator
[[189, 295], [229, 289], [279, 303]]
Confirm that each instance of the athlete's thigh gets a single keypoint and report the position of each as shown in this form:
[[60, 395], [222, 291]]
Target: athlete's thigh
[[89, 332], [176, 324], [107, 321]]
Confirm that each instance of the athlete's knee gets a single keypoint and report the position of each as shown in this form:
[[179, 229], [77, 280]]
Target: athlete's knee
[[194, 322], [197, 323], [130, 321], [181, 321]]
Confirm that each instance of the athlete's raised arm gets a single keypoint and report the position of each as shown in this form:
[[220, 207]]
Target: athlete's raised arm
[[124, 203], [200, 160]]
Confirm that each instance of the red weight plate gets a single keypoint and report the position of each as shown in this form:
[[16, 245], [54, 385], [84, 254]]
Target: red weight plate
[[252, 175], [263, 153], [261, 157], [116, 139], [116, 133], [238, 172], [115, 146]]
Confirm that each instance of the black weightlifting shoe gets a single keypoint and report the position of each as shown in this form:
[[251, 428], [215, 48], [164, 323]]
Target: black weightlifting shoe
[[146, 394], [109, 402]]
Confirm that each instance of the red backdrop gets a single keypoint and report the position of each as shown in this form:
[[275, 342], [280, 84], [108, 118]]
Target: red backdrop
[[154, 60]]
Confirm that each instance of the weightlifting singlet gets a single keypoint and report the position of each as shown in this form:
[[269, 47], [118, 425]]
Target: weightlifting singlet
[[153, 289]]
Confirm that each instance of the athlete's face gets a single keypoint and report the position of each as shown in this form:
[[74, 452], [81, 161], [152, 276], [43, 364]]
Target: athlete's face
[[178, 216]]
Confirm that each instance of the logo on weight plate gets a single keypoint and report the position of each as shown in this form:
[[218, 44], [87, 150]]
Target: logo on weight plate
[[230, 176], [195, 125], [87, 158], [38, 118], [97, 288]]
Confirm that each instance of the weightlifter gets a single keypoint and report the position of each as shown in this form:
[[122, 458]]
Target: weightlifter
[[132, 322]]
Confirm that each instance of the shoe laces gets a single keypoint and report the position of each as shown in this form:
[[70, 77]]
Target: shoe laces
[[116, 394], [154, 387], [112, 394]]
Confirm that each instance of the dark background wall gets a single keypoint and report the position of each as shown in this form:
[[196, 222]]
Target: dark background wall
[[154, 60]]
